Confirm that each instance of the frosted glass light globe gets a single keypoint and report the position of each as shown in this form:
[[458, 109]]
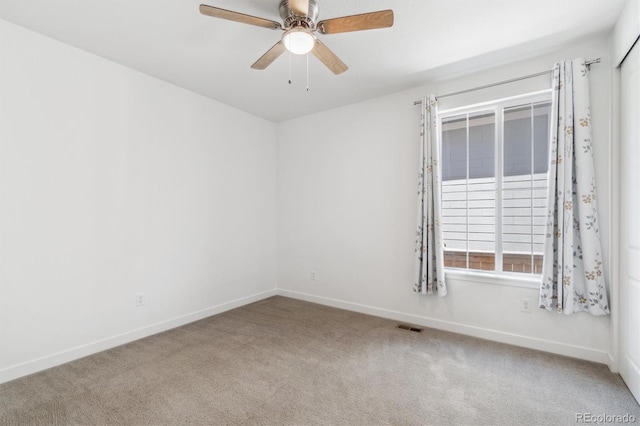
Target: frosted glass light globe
[[298, 41]]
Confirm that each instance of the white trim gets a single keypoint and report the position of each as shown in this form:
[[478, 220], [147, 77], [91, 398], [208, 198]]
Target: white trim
[[613, 194], [502, 278], [496, 108], [550, 346], [466, 190], [52, 360], [539, 96], [499, 194]]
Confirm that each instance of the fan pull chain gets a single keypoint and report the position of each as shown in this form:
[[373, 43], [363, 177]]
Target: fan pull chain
[[289, 67], [307, 72]]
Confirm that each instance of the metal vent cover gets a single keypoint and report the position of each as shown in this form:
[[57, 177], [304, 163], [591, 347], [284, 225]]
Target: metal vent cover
[[409, 328]]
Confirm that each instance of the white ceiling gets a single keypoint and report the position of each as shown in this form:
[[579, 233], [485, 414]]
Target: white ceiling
[[171, 40]]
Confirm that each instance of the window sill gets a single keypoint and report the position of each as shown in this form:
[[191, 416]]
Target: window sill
[[493, 278]]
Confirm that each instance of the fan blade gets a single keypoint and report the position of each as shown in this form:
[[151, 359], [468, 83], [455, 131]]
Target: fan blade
[[365, 21], [271, 55], [299, 7], [238, 17], [327, 57]]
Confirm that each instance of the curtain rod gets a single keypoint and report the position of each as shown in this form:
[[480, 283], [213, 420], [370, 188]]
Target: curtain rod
[[473, 89]]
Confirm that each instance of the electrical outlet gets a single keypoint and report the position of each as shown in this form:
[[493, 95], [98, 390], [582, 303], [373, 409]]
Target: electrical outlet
[[314, 276], [525, 305], [140, 299]]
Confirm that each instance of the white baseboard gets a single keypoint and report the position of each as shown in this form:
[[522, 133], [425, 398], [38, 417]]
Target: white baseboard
[[612, 362], [52, 360], [550, 346]]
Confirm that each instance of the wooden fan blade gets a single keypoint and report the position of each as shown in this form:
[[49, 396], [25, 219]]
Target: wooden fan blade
[[327, 57], [365, 21], [299, 7], [271, 55], [238, 17]]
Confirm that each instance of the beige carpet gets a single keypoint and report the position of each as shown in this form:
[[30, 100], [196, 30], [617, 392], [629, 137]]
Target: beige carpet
[[286, 362]]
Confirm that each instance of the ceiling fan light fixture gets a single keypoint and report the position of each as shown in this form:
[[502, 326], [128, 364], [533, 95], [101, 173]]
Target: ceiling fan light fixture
[[298, 41]]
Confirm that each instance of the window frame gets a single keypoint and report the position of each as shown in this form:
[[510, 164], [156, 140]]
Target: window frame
[[497, 107]]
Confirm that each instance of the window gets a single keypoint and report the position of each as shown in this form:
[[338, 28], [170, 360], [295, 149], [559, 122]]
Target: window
[[494, 184]]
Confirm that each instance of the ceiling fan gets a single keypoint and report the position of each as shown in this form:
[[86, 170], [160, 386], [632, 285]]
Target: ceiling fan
[[299, 25]]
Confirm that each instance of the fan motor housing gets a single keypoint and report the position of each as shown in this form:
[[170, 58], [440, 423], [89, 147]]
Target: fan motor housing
[[290, 19]]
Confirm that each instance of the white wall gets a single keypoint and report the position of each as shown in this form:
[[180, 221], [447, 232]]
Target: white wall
[[626, 31], [347, 210], [113, 183]]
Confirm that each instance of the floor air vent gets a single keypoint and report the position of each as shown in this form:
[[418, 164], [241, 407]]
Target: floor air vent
[[409, 328]]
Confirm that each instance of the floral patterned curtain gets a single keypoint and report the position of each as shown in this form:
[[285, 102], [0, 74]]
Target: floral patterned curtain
[[572, 276], [429, 246]]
